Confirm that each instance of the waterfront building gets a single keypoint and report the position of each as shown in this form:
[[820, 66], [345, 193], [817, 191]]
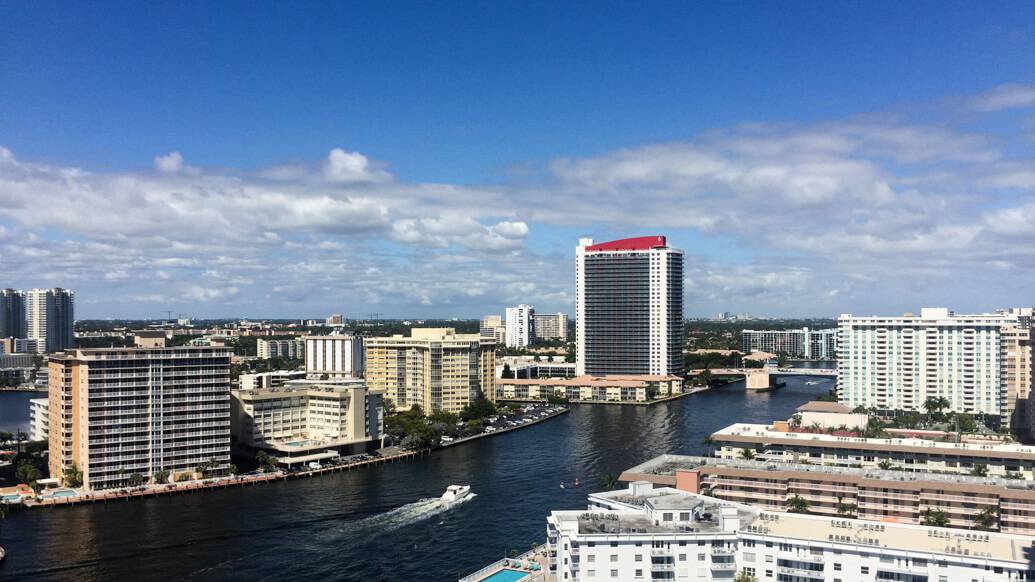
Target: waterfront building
[[50, 318], [492, 326], [122, 411], [551, 326], [897, 363], [629, 307], [303, 421], [535, 367], [39, 419], [805, 343], [777, 444], [968, 502], [334, 356], [291, 349], [520, 326], [273, 379], [602, 389], [642, 533], [12, 314], [435, 368]]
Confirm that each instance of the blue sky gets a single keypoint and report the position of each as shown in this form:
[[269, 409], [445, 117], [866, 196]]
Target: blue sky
[[440, 159]]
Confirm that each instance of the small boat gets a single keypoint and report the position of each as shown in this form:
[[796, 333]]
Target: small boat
[[562, 484], [456, 493], [577, 482]]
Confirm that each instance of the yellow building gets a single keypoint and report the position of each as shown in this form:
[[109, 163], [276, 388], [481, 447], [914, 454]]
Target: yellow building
[[435, 368]]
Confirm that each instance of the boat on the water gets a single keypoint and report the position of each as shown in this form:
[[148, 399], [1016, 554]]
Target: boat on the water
[[456, 493]]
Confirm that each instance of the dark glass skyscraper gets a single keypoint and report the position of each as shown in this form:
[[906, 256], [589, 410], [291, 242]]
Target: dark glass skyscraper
[[12, 314]]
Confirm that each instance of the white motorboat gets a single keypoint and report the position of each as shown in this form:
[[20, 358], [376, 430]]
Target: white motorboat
[[456, 492]]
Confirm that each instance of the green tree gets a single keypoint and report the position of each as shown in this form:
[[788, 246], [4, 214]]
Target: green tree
[[135, 480], [797, 504], [935, 518], [478, 408], [73, 477], [845, 509], [608, 481], [987, 519], [27, 472], [884, 464], [5, 437], [507, 372], [966, 423], [746, 454], [979, 471], [743, 576], [162, 477]]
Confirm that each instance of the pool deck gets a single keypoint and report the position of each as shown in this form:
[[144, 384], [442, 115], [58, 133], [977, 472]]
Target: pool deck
[[539, 555]]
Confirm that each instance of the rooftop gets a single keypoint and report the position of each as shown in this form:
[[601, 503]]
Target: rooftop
[[640, 243], [821, 406]]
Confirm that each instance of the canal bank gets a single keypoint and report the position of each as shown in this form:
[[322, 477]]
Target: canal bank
[[380, 523]]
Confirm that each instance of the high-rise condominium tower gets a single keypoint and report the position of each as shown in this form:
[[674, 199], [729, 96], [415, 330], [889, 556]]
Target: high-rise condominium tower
[[12, 314], [50, 318], [629, 307], [118, 412], [520, 326]]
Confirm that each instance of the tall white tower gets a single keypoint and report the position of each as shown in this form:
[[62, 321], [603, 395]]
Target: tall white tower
[[520, 326]]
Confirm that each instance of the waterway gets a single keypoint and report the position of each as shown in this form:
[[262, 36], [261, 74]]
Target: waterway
[[379, 523], [14, 410]]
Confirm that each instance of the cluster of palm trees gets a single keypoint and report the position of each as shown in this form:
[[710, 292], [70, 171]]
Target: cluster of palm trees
[[19, 437]]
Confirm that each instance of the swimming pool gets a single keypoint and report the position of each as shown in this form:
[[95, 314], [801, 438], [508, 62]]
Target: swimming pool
[[506, 575], [64, 493], [15, 498]]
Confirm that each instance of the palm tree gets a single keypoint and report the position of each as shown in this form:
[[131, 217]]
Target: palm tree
[[798, 504], [5, 437], [845, 509], [987, 519], [73, 476], [979, 471], [22, 436], [884, 464], [747, 454], [935, 518], [608, 481], [743, 576]]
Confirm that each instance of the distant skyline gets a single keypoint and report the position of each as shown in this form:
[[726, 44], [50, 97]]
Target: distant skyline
[[272, 160]]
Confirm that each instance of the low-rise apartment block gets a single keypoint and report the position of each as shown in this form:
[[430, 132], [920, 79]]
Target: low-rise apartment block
[[124, 411], [766, 443], [810, 344], [434, 368], [291, 349], [644, 533], [492, 326], [603, 389], [39, 419], [1006, 505], [308, 420]]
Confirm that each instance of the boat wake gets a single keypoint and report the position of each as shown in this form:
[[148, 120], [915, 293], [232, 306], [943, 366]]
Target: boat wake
[[409, 513]]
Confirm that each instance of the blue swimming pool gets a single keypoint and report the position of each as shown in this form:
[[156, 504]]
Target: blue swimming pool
[[506, 575], [11, 498], [64, 493]]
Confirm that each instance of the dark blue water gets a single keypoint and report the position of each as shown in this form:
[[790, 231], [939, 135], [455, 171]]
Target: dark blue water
[[350, 526], [14, 410]]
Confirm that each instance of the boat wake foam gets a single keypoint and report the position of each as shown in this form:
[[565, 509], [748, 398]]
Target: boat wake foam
[[410, 513]]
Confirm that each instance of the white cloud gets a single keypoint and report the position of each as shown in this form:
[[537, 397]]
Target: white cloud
[[343, 166], [1005, 97], [170, 163]]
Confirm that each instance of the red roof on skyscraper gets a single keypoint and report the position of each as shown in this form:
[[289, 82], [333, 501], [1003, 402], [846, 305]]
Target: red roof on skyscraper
[[640, 243]]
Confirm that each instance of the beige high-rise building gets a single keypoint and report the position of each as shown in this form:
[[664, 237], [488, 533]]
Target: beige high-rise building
[[435, 368], [1016, 373], [118, 412], [551, 326], [492, 326]]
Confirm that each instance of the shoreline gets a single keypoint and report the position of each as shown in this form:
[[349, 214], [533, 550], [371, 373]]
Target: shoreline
[[216, 483], [696, 390]]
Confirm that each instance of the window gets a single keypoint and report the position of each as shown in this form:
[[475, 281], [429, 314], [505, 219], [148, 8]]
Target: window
[[638, 557], [614, 573], [614, 557], [837, 567], [639, 573], [864, 569]]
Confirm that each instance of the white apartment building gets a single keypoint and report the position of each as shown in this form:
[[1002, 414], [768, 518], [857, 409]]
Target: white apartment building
[[897, 363], [123, 411], [39, 419], [551, 326], [274, 379], [50, 315], [492, 327], [292, 349], [810, 344], [642, 533], [336, 356], [629, 307], [520, 326], [307, 420]]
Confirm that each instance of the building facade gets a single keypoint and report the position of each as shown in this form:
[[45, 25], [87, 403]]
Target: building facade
[[12, 314], [551, 326], [39, 419], [644, 533], [809, 344], [1006, 505], [520, 324], [124, 411], [492, 327], [590, 389], [334, 356], [291, 349], [629, 307], [897, 363], [303, 421], [1008, 460], [434, 368], [50, 318]]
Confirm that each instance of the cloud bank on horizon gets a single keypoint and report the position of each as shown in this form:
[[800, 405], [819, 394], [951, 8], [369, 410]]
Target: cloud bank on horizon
[[874, 213]]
